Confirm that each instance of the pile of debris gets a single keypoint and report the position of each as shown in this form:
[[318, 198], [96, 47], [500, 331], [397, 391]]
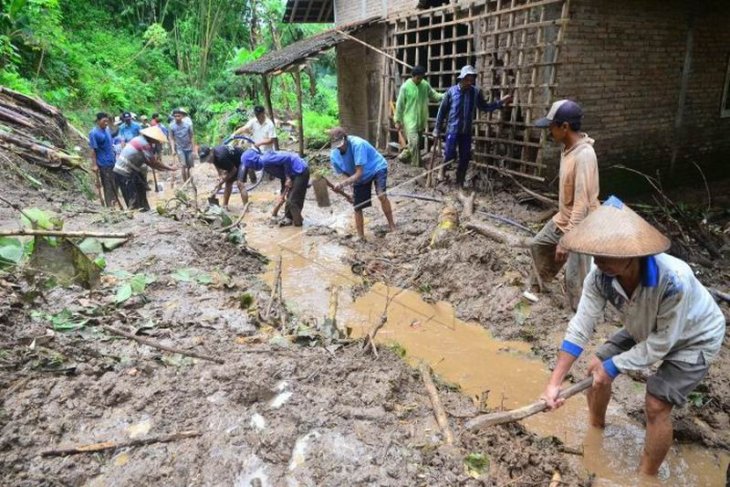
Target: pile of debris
[[35, 131]]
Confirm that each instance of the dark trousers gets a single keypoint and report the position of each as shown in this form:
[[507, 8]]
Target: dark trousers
[[462, 143], [295, 201], [134, 190], [109, 184]]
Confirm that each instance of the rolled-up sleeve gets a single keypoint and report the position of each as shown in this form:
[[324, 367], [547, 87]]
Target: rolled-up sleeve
[[590, 310]]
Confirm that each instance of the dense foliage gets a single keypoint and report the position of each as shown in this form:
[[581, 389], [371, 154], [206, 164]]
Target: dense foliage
[[149, 56]]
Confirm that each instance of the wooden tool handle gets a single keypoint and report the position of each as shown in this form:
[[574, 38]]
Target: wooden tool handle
[[502, 417], [338, 191]]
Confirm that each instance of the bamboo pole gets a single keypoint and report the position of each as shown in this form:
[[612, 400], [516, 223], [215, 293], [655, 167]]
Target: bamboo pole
[[154, 344], [355, 39], [298, 83], [269, 105], [111, 445], [493, 419]]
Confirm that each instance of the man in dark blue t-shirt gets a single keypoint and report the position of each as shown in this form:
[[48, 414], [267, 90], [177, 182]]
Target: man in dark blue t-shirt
[[103, 158]]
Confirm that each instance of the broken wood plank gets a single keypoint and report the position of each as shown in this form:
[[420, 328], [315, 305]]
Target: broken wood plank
[[159, 346], [112, 445], [501, 417], [438, 409]]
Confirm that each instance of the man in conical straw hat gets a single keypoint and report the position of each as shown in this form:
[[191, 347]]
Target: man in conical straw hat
[[668, 316], [130, 167]]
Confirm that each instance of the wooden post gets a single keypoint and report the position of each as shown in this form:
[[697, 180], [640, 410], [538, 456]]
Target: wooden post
[[298, 82], [269, 105]]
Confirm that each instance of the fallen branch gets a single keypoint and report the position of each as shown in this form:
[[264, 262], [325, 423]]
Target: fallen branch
[[62, 233], [542, 199], [154, 344], [495, 234], [275, 292], [239, 220], [438, 409], [111, 445], [493, 419], [719, 295], [17, 208]]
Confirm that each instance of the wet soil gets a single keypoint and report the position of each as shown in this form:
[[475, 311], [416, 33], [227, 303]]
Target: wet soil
[[484, 281], [275, 413]]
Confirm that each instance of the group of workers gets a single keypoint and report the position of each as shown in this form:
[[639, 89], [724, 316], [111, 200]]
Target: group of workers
[[669, 317], [122, 150]]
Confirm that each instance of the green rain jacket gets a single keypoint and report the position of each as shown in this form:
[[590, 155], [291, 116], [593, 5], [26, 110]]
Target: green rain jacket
[[412, 107]]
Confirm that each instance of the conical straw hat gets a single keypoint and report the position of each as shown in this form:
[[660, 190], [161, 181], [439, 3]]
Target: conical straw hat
[[154, 132], [615, 230]]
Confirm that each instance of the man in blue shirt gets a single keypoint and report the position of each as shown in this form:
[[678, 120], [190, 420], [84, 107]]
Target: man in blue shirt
[[291, 170], [458, 108], [103, 157], [129, 129], [365, 167]]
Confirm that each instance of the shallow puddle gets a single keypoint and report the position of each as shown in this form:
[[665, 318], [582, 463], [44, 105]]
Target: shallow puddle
[[460, 353]]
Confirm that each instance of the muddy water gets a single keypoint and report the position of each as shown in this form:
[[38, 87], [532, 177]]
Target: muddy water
[[459, 352]]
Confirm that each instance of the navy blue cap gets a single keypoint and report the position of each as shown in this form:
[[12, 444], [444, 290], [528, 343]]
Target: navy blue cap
[[561, 111]]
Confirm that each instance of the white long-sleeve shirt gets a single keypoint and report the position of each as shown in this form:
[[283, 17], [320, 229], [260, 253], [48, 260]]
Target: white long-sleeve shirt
[[670, 315]]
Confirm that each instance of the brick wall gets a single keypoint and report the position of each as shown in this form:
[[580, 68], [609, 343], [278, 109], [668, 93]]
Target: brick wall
[[348, 11], [359, 80], [622, 60]]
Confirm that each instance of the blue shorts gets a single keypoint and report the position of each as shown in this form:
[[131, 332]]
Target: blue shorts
[[186, 158], [362, 192]]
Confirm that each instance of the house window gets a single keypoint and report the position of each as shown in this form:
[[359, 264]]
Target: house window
[[725, 107]]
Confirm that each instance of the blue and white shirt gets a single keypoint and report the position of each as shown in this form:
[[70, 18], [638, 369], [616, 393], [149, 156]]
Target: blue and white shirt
[[459, 106], [670, 316]]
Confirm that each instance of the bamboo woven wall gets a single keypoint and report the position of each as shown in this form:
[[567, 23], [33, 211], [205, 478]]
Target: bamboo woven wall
[[514, 46]]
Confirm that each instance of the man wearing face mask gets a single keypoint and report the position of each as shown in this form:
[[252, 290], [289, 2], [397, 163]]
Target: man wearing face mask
[[577, 197], [669, 319]]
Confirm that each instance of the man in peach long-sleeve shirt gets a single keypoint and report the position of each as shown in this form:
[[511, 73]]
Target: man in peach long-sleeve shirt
[[578, 196]]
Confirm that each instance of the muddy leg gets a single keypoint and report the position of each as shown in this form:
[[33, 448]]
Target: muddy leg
[[658, 435], [360, 224], [228, 188], [598, 399], [387, 211]]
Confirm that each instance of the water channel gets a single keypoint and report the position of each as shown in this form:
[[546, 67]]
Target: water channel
[[459, 352]]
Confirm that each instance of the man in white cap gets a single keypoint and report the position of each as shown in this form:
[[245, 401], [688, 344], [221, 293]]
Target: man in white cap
[[668, 317], [577, 197], [129, 169], [458, 108]]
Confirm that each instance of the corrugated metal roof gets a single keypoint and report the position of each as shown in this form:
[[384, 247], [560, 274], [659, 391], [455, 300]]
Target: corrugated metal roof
[[297, 53], [309, 11]]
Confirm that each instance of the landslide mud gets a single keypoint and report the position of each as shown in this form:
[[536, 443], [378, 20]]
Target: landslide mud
[[271, 415]]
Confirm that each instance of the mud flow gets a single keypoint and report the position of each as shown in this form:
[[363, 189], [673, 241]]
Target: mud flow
[[501, 374]]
